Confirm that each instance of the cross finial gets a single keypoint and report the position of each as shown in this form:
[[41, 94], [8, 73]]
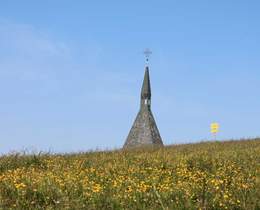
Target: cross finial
[[147, 53]]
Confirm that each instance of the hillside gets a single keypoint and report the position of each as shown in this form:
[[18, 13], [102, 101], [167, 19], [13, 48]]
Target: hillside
[[209, 175]]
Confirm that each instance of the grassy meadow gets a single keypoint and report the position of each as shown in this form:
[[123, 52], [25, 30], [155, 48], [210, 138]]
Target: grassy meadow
[[209, 175]]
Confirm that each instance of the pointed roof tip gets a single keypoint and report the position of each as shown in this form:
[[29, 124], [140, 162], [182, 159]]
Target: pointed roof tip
[[146, 88]]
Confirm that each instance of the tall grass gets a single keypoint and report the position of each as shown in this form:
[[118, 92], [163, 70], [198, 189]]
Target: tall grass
[[209, 175]]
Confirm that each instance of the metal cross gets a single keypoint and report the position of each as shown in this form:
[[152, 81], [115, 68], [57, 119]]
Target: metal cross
[[147, 53]]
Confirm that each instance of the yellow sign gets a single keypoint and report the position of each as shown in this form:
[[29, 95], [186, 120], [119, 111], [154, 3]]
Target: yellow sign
[[214, 127]]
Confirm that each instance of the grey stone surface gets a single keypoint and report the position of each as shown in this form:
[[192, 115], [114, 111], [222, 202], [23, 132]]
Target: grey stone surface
[[144, 130]]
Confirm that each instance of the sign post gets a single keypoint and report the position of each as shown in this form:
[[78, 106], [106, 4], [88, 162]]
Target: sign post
[[214, 129]]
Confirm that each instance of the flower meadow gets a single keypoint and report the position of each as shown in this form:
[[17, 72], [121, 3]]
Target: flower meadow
[[207, 175]]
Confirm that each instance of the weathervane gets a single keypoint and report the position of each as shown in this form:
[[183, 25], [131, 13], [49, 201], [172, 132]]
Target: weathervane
[[147, 53]]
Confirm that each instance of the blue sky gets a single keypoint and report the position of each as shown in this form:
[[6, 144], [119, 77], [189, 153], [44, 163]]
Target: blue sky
[[71, 71]]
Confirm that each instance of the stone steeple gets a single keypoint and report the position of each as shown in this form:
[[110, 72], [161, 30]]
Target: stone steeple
[[144, 131]]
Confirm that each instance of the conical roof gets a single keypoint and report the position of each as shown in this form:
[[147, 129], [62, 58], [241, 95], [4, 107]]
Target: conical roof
[[144, 131]]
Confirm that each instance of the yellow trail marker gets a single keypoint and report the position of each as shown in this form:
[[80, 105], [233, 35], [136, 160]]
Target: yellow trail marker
[[214, 129]]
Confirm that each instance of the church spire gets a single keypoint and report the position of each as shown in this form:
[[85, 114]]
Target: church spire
[[144, 130]]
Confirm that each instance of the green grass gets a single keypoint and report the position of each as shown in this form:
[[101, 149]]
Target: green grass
[[207, 175]]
